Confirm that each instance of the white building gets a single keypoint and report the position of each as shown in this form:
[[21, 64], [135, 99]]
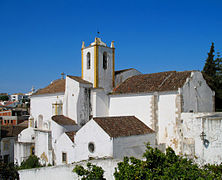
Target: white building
[[74, 118]]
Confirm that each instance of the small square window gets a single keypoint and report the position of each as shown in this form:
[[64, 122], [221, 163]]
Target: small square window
[[64, 157]]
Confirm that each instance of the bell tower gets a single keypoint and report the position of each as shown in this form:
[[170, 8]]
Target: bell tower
[[98, 62]]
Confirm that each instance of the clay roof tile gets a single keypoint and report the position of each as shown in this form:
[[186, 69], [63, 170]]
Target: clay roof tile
[[122, 126]]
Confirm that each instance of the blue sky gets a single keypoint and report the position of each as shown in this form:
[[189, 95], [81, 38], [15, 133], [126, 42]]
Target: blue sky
[[40, 39]]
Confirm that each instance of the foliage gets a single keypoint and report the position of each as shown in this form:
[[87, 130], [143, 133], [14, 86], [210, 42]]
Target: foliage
[[4, 98], [212, 72], [92, 172], [159, 165], [8, 171], [31, 162], [156, 165], [210, 65]]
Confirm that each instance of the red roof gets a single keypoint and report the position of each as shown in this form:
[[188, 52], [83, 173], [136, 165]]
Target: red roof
[[122, 126], [162, 81]]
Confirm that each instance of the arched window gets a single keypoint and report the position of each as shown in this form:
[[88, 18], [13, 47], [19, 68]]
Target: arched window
[[88, 60], [40, 121], [105, 60]]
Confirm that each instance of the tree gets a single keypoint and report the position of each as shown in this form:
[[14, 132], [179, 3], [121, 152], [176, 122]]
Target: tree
[[212, 73], [157, 165], [210, 66], [92, 172], [8, 171], [4, 98]]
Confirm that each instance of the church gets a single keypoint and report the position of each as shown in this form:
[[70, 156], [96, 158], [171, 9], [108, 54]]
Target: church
[[112, 114]]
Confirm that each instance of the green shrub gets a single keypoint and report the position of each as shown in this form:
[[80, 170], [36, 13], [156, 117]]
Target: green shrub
[[8, 171], [157, 165], [31, 162], [92, 172]]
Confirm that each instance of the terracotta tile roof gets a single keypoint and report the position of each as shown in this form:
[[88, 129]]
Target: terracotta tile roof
[[79, 79], [71, 135], [122, 126], [63, 120], [123, 70], [55, 87], [162, 81], [11, 131]]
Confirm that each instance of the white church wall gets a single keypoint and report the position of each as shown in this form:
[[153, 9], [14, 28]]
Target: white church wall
[[83, 104], [22, 147], [21, 152], [88, 74], [138, 105], [167, 124], [92, 133], [100, 103], [64, 145], [71, 98], [132, 145], [197, 95], [76, 101], [105, 75], [26, 135], [193, 126], [42, 105], [42, 147], [57, 130], [65, 171]]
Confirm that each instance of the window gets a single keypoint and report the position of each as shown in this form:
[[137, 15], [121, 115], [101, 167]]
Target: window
[[91, 147], [40, 121], [32, 150], [64, 157], [35, 124], [105, 60], [88, 60]]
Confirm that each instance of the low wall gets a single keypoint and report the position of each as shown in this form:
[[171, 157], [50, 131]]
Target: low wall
[[65, 171]]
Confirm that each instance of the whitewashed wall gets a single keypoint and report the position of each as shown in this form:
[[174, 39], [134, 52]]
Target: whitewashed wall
[[65, 171], [42, 105], [197, 95], [100, 103], [132, 105], [64, 144], [105, 75], [88, 74], [76, 102], [167, 125], [71, 98], [193, 125], [132, 145], [23, 145], [92, 132], [41, 147]]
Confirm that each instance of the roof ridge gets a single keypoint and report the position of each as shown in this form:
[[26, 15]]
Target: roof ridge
[[165, 80]]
